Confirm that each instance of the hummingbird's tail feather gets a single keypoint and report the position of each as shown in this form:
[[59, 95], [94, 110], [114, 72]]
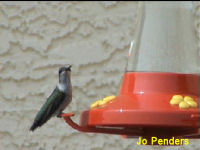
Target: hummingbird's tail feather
[[36, 124], [39, 122], [42, 117], [33, 127], [49, 109]]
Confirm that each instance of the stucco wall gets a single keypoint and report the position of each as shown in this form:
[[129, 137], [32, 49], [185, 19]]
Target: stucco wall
[[35, 39]]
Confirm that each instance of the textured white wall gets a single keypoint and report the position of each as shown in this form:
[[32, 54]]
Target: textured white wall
[[35, 39]]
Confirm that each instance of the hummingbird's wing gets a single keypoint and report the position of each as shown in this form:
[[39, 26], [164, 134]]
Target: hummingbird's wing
[[52, 104]]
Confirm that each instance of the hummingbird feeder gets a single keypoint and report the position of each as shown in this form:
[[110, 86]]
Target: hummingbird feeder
[[159, 94]]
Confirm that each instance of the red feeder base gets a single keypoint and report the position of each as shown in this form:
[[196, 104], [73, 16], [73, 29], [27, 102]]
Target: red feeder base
[[143, 107]]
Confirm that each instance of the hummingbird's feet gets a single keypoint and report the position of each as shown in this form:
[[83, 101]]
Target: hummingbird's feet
[[60, 115]]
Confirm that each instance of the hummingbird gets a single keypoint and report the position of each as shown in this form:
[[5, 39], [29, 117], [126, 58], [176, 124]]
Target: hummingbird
[[57, 101]]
